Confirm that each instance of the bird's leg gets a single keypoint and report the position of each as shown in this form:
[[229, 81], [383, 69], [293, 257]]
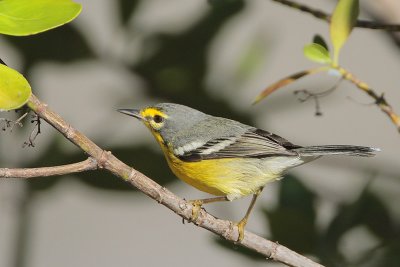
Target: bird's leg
[[198, 203], [240, 225]]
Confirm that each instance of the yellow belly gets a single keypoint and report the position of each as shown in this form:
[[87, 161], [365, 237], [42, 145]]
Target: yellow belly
[[232, 177]]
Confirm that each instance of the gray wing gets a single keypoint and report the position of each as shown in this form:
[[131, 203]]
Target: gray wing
[[254, 143]]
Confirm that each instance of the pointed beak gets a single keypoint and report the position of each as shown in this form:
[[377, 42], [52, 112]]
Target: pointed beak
[[131, 112]]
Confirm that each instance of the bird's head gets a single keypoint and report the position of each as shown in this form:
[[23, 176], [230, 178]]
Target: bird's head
[[165, 120]]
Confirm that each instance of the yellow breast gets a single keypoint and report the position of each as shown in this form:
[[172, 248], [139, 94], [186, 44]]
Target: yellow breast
[[208, 175], [231, 177]]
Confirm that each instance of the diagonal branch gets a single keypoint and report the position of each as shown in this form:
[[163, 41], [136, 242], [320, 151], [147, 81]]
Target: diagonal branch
[[86, 165], [327, 17], [223, 228], [380, 100]]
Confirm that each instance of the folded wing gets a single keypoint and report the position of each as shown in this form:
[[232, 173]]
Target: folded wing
[[254, 143]]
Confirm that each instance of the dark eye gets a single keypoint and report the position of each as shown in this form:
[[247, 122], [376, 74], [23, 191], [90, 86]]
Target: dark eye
[[158, 119]]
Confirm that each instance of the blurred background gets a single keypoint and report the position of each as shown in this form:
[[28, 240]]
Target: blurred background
[[215, 56]]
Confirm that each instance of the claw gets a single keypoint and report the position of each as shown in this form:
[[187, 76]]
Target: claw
[[240, 225], [197, 205]]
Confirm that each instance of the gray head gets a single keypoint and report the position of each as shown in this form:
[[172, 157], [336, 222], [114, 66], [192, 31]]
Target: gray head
[[166, 119]]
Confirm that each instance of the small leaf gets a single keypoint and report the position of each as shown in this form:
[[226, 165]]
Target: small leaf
[[342, 22], [317, 53], [285, 81], [318, 39], [14, 89], [26, 17]]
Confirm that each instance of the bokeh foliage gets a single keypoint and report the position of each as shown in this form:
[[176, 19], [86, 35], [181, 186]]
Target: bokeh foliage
[[176, 71], [27, 17]]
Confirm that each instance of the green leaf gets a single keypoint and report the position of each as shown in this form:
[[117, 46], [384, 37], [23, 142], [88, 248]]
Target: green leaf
[[14, 89], [26, 17], [318, 39], [342, 22], [317, 53]]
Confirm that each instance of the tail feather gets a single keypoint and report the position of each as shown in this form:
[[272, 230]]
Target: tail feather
[[360, 151]]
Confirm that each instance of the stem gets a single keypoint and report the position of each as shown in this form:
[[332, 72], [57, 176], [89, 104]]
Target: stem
[[380, 100], [86, 165], [327, 17]]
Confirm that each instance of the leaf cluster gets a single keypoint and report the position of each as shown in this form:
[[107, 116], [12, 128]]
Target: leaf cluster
[[28, 17]]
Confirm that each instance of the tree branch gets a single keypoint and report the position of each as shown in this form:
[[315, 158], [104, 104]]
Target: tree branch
[[327, 17], [102, 159], [86, 165]]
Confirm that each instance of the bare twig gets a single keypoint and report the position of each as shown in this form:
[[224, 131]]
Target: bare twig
[[304, 95], [86, 165], [11, 124], [163, 196], [18, 121], [380, 100], [327, 17], [34, 133]]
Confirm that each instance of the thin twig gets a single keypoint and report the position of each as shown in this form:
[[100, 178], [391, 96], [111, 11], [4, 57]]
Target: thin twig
[[34, 133], [18, 121], [380, 100], [163, 196], [327, 17], [11, 124], [304, 95], [86, 165]]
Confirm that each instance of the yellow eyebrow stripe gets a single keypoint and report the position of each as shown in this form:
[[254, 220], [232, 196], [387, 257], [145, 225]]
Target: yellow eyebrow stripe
[[151, 112]]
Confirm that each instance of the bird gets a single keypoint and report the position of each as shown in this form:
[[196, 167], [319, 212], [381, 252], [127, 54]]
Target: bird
[[224, 157]]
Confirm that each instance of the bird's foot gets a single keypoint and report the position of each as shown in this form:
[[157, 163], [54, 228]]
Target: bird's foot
[[240, 225], [197, 205]]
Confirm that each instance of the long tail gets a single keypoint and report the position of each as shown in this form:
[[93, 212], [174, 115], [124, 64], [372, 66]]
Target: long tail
[[361, 151]]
